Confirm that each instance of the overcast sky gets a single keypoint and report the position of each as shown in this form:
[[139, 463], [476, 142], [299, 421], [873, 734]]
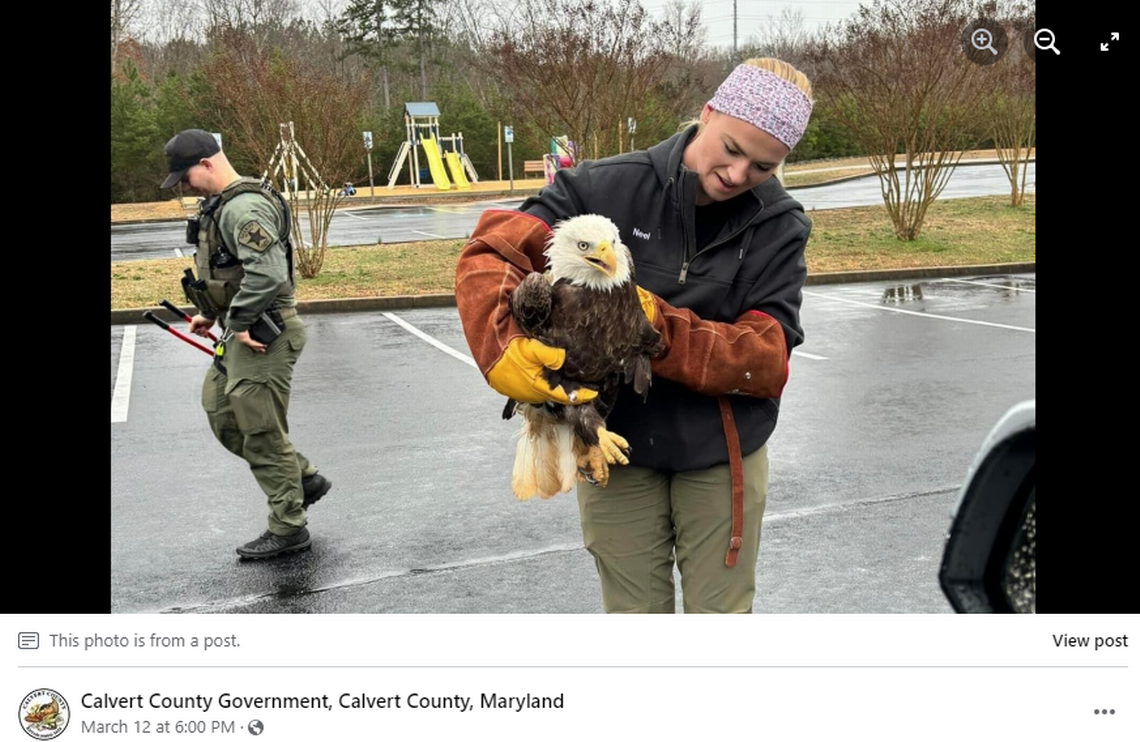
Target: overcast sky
[[751, 14], [717, 14]]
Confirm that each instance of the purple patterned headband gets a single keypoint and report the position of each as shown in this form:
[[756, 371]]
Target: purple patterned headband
[[765, 100]]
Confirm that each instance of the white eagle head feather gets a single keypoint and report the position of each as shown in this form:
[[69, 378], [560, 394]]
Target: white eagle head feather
[[587, 250]]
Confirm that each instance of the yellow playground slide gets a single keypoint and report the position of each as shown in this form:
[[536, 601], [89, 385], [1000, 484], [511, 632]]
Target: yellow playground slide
[[456, 168], [435, 162]]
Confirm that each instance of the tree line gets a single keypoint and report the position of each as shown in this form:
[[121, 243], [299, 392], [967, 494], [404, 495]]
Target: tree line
[[891, 82]]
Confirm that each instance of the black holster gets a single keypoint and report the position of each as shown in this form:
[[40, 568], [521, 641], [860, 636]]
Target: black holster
[[193, 225], [268, 326], [198, 294]]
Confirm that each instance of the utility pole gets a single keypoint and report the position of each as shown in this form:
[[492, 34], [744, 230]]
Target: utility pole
[[735, 55]]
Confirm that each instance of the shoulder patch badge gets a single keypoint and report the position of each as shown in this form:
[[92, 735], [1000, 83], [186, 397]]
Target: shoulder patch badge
[[254, 236]]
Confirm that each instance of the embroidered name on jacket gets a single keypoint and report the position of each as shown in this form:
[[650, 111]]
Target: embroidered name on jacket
[[638, 233]]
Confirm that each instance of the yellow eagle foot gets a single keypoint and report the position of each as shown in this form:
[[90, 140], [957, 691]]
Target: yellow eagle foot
[[613, 446], [594, 462], [592, 467]]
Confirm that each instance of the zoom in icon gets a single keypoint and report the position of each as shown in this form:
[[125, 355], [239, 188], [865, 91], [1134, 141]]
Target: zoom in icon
[[984, 41]]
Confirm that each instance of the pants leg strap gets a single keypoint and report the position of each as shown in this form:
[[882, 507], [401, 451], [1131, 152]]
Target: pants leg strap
[[736, 469]]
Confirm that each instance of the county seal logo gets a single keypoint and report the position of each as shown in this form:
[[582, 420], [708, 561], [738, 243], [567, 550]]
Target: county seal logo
[[44, 714]]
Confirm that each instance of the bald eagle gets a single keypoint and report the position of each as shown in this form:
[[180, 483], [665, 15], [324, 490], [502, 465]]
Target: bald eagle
[[586, 303]]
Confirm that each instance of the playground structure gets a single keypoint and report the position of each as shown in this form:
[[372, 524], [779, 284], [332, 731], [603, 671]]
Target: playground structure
[[421, 122], [290, 163], [562, 154]]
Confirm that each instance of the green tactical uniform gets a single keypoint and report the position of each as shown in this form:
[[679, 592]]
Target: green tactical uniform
[[248, 403]]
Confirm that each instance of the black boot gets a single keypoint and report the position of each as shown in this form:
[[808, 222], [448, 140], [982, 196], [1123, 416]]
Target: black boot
[[314, 486], [270, 545]]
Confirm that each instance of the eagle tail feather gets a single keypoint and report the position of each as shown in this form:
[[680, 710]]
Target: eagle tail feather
[[544, 459]]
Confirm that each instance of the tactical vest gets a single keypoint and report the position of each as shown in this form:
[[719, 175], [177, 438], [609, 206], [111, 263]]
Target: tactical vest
[[219, 269]]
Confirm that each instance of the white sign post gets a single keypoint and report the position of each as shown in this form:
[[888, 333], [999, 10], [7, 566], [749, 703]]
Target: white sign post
[[509, 138], [368, 147]]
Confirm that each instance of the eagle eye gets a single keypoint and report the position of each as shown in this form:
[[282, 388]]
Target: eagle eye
[[583, 246]]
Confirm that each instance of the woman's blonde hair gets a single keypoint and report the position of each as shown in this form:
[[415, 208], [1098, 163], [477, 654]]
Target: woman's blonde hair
[[780, 68]]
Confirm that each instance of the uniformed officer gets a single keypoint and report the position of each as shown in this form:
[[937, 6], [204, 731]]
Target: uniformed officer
[[245, 282]]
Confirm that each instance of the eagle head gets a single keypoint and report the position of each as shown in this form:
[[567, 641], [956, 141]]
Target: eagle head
[[587, 251]]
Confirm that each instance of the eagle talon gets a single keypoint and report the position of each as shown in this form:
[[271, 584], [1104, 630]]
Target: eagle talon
[[592, 467], [613, 446]]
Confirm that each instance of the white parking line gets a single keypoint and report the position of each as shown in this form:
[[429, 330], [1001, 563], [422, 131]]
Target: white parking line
[[926, 315], [810, 356], [178, 252], [354, 216], [470, 362], [121, 399], [841, 506], [991, 285], [430, 340], [429, 234]]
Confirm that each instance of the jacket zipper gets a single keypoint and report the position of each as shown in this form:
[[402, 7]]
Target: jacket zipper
[[685, 265], [684, 235]]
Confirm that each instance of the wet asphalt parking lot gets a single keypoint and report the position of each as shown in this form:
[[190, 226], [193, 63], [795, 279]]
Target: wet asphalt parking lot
[[888, 400], [387, 225]]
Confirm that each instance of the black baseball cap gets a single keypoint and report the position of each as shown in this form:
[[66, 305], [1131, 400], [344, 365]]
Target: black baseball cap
[[185, 150]]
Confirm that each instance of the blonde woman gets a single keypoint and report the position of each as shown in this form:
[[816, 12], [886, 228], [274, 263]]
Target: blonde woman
[[718, 246]]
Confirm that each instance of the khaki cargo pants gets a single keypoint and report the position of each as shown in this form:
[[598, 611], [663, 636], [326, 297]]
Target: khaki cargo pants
[[644, 520], [247, 408]]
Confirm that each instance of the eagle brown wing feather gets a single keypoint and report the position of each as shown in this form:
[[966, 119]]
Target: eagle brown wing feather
[[608, 341], [530, 304]]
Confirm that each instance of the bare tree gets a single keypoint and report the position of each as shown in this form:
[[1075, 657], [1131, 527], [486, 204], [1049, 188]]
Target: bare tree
[[175, 38], [784, 37], [1011, 111], [250, 14], [685, 36], [1010, 107], [470, 21], [897, 78], [254, 92], [692, 72], [324, 12], [259, 20], [124, 15], [579, 67]]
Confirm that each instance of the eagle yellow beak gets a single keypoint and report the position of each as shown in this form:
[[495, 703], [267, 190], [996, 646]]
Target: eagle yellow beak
[[603, 258]]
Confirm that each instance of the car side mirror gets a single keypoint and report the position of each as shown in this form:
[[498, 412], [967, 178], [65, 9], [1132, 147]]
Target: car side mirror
[[989, 561]]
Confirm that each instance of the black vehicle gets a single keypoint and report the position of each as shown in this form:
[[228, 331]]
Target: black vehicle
[[989, 562]]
